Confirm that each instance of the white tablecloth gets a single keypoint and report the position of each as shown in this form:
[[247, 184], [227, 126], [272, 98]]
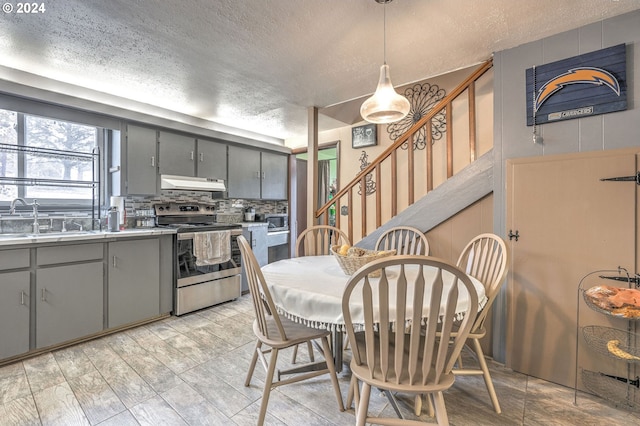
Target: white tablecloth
[[309, 289]]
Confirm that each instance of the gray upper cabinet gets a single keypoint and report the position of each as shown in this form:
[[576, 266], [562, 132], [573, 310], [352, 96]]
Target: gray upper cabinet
[[142, 161], [211, 160], [254, 174], [244, 173], [177, 154], [274, 176]]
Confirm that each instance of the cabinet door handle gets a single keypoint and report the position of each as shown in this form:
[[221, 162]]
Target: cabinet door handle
[[202, 156], [191, 155], [115, 262], [22, 295], [43, 295], [153, 161], [263, 174]]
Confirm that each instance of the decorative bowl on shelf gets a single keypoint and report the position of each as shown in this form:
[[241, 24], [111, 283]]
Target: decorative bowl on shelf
[[613, 342], [354, 258], [615, 301]]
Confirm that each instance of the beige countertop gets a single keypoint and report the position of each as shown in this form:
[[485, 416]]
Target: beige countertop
[[252, 224], [278, 232], [52, 237]]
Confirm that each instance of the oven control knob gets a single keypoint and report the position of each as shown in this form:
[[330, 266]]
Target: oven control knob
[[161, 208]]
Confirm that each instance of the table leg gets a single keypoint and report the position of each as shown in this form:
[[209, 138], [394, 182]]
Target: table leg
[[338, 339], [393, 402]]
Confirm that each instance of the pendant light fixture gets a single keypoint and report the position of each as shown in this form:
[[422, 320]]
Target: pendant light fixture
[[385, 106]]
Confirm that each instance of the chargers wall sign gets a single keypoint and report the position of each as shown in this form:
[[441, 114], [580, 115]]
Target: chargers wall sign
[[590, 84]]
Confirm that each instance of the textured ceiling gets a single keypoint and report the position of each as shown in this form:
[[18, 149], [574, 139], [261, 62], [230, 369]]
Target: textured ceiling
[[257, 65]]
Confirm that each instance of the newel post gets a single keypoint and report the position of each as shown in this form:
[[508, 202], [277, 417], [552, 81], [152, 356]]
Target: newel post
[[312, 165]]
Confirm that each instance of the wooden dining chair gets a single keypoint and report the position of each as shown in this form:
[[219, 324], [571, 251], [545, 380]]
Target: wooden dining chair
[[278, 333], [317, 240], [394, 336], [405, 240], [485, 258]]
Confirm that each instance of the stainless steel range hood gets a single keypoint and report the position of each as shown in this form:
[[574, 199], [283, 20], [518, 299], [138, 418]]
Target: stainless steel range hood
[[191, 183]]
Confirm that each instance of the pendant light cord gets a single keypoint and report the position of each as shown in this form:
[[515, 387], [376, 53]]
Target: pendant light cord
[[384, 32]]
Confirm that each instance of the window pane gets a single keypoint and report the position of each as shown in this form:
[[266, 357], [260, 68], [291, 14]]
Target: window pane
[[8, 157], [61, 136]]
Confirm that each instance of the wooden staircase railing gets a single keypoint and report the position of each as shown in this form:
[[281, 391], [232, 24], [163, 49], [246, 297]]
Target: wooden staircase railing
[[345, 197]]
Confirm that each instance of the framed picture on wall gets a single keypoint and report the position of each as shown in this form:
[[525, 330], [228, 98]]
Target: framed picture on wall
[[363, 136]]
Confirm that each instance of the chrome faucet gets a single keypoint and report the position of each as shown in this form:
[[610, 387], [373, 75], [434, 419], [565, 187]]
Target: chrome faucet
[[12, 210], [71, 222]]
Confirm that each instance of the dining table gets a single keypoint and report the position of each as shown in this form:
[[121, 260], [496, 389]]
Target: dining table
[[309, 290]]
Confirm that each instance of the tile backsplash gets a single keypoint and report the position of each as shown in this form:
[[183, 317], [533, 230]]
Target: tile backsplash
[[228, 210], [139, 212]]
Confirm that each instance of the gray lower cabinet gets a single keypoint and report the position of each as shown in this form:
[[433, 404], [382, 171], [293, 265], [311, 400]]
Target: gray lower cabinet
[[69, 302], [52, 295], [14, 313], [278, 243], [256, 235], [134, 281], [167, 262]]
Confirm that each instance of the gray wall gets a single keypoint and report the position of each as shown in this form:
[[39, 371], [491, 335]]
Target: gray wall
[[513, 139]]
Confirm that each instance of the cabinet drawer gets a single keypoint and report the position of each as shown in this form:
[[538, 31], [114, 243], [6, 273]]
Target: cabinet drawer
[[13, 259], [73, 253], [277, 239]]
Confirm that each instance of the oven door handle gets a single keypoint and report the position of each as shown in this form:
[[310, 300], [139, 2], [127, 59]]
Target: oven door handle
[[189, 235]]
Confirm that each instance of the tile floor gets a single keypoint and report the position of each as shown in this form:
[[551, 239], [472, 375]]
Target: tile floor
[[190, 371]]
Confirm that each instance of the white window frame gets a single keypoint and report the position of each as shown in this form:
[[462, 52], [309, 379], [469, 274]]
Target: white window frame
[[56, 204]]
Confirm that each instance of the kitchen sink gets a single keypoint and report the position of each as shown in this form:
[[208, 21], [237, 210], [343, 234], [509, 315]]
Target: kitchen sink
[[10, 236], [62, 234]]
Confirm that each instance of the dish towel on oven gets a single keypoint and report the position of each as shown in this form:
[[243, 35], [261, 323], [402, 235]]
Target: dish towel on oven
[[212, 247]]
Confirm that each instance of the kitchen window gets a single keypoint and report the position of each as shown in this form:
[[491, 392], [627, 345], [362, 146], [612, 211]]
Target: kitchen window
[[51, 160]]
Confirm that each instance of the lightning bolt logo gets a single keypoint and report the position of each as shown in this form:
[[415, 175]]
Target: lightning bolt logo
[[589, 75]]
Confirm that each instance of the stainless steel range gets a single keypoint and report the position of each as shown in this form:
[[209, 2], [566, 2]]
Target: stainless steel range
[[207, 256]]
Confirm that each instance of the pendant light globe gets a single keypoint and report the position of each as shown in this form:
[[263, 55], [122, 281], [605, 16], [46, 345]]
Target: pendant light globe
[[386, 105]]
